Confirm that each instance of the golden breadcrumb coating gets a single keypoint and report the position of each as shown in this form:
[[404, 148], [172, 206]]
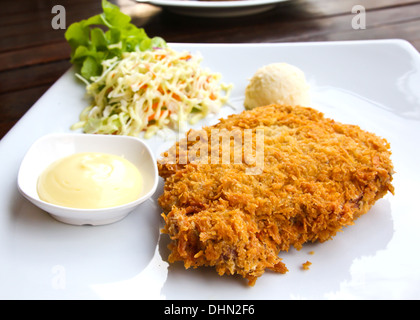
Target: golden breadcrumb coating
[[306, 265], [318, 176]]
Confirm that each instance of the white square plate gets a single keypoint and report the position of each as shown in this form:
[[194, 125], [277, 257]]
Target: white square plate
[[374, 84]]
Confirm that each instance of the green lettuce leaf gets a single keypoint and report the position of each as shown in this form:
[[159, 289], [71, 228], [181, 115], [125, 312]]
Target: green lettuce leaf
[[103, 37]]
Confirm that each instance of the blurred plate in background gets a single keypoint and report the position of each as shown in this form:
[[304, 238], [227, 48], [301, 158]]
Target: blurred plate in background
[[215, 9]]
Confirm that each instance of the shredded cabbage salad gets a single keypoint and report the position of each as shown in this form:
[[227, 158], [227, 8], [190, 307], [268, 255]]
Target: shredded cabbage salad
[[151, 90]]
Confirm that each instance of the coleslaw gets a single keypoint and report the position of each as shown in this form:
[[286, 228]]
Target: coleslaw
[[145, 91]]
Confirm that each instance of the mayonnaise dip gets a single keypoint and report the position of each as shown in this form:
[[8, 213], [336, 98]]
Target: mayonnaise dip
[[90, 180]]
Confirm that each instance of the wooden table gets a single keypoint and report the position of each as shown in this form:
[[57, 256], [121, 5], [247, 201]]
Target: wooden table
[[33, 55]]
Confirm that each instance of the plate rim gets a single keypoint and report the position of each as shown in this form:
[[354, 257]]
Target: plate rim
[[210, 4]]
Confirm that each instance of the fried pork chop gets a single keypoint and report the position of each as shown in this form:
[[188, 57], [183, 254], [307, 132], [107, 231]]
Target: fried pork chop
[[317, 177]]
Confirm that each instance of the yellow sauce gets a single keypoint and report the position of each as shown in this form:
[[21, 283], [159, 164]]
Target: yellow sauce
[[90, 181]]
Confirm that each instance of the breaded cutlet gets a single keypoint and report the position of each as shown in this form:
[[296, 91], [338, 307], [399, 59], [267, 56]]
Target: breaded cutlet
[[317, 177]]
